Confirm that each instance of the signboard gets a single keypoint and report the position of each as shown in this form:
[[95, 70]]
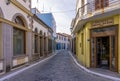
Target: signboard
[[102, 23]]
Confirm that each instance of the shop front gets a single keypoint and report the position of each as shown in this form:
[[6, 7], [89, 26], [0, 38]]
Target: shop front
[[104, 45]]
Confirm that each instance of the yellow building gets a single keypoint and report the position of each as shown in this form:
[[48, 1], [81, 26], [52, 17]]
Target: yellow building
[[97, 30]]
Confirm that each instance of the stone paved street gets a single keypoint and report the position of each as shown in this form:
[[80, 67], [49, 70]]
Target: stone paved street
[[59, 68]]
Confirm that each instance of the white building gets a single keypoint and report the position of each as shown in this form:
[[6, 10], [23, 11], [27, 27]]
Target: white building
[[63, 41], [23, 37]]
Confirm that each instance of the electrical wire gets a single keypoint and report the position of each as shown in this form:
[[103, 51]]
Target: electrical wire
[[66, 11]]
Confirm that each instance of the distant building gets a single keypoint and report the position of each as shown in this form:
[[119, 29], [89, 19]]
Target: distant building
[[49, 20], [63, 41], [42, 36]]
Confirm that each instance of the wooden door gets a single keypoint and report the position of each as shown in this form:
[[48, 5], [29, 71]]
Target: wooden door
[[93, 52]]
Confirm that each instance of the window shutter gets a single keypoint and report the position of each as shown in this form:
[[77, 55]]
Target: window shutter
[[97, 4]]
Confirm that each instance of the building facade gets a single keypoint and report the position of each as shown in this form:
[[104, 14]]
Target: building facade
[[23, 36], [48, 19], [62, 41], [96, 27]]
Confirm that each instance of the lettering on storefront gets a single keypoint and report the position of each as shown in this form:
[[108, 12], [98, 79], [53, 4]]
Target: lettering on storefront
[[103, 23]]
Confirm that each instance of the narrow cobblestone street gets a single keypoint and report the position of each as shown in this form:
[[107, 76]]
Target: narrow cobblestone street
[[61, 67]]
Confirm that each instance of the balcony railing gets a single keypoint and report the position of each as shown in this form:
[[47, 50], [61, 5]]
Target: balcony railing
[[94, 8]]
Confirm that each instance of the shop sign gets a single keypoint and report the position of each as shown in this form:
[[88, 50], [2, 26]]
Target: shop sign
[[103, 23]]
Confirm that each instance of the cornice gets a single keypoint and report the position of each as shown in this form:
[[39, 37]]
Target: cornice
[[14, 24], [17, 4]]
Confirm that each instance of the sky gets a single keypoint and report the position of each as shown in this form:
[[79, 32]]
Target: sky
[[63, 12]]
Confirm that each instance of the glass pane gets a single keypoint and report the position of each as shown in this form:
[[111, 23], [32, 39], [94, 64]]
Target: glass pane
[[92, 51], [19, 21], [36, 44], [113, 52], [18, 41]]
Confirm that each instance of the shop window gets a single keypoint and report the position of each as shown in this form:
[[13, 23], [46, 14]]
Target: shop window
[[101, 4], [18, 38]]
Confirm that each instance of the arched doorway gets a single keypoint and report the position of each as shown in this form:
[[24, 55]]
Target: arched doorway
[[41, 43], [36, 41], [36, 54], [20, 41]]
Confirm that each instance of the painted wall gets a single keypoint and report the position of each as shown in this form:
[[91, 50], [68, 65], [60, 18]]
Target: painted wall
[[39, 27], [25, 3], [12, 10], [85, 57], [83, 52], [49, 20], [117, 21]]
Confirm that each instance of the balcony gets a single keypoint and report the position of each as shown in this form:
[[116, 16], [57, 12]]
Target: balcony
[[95, 8]]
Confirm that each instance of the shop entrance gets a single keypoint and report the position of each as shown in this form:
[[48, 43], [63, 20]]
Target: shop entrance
[[102, 52], [104, 48]]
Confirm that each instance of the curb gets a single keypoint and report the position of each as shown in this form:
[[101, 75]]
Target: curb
[[26, 68], [92, 72]]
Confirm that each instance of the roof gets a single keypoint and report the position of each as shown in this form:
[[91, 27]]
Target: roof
[[47, 18], [64, 34], [34, 10]]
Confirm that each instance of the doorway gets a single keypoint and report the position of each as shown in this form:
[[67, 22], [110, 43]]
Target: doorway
[[104, 48], [102, 52]]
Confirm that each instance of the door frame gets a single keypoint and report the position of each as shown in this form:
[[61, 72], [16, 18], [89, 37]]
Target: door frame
[[112, 33]]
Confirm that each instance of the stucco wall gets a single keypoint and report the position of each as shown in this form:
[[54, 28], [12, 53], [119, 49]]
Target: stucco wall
[[85, 57], [25, 3], [39, 27], [10, 10]]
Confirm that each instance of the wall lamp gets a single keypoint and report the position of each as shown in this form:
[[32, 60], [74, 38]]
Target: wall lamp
[[8, 2]]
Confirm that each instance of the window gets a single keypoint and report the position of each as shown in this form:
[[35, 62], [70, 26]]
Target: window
[[64, 39], [83, 7], [19, 21], [18, 38], [18, 41], [59, 37], [25, 0], [36, 41], [36, 44], [82, 43], [101, 4]]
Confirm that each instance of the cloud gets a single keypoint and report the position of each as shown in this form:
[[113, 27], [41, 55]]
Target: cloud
[[63, 11]]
